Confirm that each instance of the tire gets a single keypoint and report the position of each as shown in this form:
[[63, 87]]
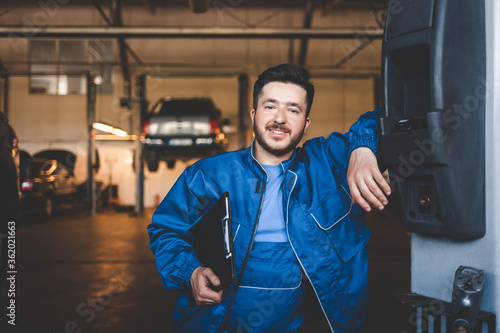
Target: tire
[[153, 165], [170, 164]]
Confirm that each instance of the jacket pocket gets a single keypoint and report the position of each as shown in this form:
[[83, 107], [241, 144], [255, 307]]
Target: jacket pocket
[[272, 266], [342, 223], [332, 209]]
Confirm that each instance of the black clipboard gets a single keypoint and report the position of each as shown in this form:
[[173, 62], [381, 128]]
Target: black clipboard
[[213, 241]]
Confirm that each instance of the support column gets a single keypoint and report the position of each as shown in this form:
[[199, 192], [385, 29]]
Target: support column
[[91, 95], [243, 109], [141, 109]]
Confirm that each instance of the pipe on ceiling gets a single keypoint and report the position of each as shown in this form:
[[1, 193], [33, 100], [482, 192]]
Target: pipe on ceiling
[[182, 32]]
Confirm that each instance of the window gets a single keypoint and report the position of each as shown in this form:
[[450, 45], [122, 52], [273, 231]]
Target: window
[[64, 57]]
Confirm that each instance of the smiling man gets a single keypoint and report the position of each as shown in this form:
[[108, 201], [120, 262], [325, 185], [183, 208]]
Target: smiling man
[[281, 121], [298, 222]]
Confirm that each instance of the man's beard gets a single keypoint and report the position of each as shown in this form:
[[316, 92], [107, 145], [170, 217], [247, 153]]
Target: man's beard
[[259, 136]]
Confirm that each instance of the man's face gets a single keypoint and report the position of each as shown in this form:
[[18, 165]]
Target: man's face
[[279, 121]]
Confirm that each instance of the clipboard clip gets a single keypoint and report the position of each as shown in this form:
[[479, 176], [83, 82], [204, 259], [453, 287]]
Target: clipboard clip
[[225, 228]]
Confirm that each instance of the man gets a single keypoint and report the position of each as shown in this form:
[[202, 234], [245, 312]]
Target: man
[[295, 222]]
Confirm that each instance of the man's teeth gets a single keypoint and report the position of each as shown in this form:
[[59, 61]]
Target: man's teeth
[[277, 132]]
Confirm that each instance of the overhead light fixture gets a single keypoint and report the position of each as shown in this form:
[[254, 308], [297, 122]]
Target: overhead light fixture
[[98, 80], [119, 132], [103, 127], [110, 129]]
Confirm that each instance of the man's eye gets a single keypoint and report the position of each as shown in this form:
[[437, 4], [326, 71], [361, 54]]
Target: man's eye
[[294, 111], [269, 107]]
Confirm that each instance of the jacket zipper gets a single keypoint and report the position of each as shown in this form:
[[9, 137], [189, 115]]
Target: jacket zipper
[[298, 259], [244, 264]]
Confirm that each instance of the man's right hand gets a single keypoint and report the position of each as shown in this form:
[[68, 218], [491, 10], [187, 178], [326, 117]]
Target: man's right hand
[[200, 282]]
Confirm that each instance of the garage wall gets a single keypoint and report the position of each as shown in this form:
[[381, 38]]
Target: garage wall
[[59, 122]]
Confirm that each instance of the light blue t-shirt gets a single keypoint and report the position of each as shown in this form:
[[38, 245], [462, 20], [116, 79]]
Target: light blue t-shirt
[[271, 226]]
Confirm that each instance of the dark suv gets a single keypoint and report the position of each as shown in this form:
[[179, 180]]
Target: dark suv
[[181, 129]]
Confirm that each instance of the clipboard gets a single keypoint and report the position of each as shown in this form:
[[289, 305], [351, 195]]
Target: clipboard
[[213, 241]]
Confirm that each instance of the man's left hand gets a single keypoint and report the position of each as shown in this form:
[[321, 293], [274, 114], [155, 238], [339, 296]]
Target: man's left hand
[[365, 181]]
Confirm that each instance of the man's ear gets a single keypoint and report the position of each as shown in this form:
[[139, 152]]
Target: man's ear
[[308, 122], [252, 115]]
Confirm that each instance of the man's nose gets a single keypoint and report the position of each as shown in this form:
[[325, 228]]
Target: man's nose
[[279, 116]]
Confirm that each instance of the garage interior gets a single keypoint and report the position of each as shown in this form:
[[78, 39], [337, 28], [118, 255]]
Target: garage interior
[[90, 270]]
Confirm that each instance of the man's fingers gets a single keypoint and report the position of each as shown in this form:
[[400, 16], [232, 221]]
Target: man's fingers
[[365, 191], [376, 196], [368, 194], [379, 178], [358, 198], [207, 296], [210, 275], [200, 281]]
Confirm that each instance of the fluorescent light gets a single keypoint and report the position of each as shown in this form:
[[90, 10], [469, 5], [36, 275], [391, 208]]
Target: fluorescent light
[[115, 138], [103, 127], [119, 132], [110, 129]]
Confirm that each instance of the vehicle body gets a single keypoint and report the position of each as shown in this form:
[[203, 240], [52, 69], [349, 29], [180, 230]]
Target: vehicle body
[[46, 184], [181, 129]]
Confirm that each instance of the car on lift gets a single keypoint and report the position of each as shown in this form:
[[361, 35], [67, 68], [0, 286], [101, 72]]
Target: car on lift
[[47, 182], [182, 129]]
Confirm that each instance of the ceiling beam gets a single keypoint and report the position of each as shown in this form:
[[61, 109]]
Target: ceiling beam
[[105, 17], [109, 22], [183, 32], [305, 41], [122, 47]]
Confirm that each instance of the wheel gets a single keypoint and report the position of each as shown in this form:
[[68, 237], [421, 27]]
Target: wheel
[[170, 164], [153, 165]]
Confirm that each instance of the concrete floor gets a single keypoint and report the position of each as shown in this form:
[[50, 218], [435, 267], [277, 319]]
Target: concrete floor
[[81, 274]]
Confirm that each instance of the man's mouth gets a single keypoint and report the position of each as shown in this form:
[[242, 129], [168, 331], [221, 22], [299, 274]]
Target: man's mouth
[[277, 130]]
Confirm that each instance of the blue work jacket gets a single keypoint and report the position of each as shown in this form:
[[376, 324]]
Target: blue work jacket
[[326, 231]]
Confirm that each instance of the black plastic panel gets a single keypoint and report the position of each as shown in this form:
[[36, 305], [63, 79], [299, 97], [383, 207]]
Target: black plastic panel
[[407, 16], [432, 129]]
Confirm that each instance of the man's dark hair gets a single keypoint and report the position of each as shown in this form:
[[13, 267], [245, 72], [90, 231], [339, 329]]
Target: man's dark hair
[[286, 73]]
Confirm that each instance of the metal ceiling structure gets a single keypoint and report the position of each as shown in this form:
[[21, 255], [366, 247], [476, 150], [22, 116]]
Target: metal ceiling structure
[[153, 5], [111, 13], [186, 32]]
